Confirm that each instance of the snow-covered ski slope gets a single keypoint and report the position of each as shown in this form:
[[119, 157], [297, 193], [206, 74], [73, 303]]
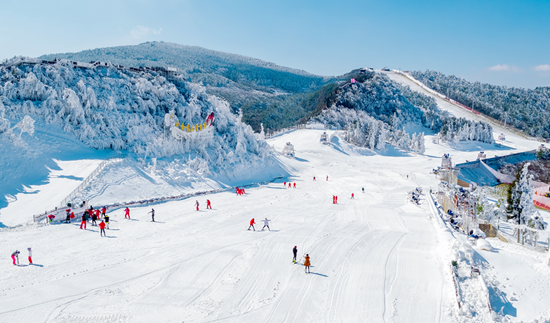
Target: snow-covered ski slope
[[373, 258], [460, 112]]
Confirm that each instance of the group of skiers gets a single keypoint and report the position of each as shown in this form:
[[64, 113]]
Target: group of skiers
[[240, 191], [289, 185], [15, 256], [266, 224], [95, 215]]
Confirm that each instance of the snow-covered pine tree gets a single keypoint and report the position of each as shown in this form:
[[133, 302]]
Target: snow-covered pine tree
[[421, 147], [522, 206]]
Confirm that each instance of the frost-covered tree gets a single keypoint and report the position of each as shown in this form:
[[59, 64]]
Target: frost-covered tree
[[26, 125], [485, 210], [521, 205]]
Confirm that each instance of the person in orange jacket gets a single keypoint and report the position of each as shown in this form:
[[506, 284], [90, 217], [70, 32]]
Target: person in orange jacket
[[307, 263], [252, 224]]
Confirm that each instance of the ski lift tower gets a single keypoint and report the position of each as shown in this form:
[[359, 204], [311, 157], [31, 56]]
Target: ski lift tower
[[288, 151], [324, 138]]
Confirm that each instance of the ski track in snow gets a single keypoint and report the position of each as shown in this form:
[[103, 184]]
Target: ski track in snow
[[375, 258]]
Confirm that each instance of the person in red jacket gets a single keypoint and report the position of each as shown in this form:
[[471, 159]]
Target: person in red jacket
[[127, 213], [333, 199], [30, 255], [294, 185], [284, 184], [208, 205], [83, 223], [252, 224], [103, 211], [102, 229], [289, 185], [336, 199], [352, 195]]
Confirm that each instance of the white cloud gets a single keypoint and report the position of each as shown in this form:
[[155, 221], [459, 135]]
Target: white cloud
[[505, 68], [142, 31], [543, 68]]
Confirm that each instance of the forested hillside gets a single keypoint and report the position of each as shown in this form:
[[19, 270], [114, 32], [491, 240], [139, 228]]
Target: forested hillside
[[525, 109], [374, 110], [238, 79]]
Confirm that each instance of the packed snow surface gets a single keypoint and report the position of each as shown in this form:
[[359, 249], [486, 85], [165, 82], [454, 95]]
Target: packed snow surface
[[373, 257]]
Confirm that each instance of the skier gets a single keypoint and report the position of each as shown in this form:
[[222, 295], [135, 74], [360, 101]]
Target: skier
[[127, 213], [336, 200], [107, 221], [96, 214], [94, 218], [103, 211], [14, 256], [289, 185], [238, 191], [208, 205], [284, 184], [363, 189], [152, 214], [252, 224], [72, 215], [68, 219], [197, 204], [352, 195], [294, 185], [102, 229], [307, 263], [83, 221], [51, 217], [333, 199], [327, 177], [294, 251], [266, 224], [30, 255], [314, 179]]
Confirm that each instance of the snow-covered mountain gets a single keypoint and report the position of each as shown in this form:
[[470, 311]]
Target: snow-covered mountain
[[235, 78]]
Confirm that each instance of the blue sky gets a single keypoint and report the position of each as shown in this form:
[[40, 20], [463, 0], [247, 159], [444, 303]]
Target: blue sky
[[498, 42]]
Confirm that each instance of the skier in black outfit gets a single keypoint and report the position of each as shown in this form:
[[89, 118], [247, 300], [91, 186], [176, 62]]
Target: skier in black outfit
[[294, 251], [94, 218], [153, 214]]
